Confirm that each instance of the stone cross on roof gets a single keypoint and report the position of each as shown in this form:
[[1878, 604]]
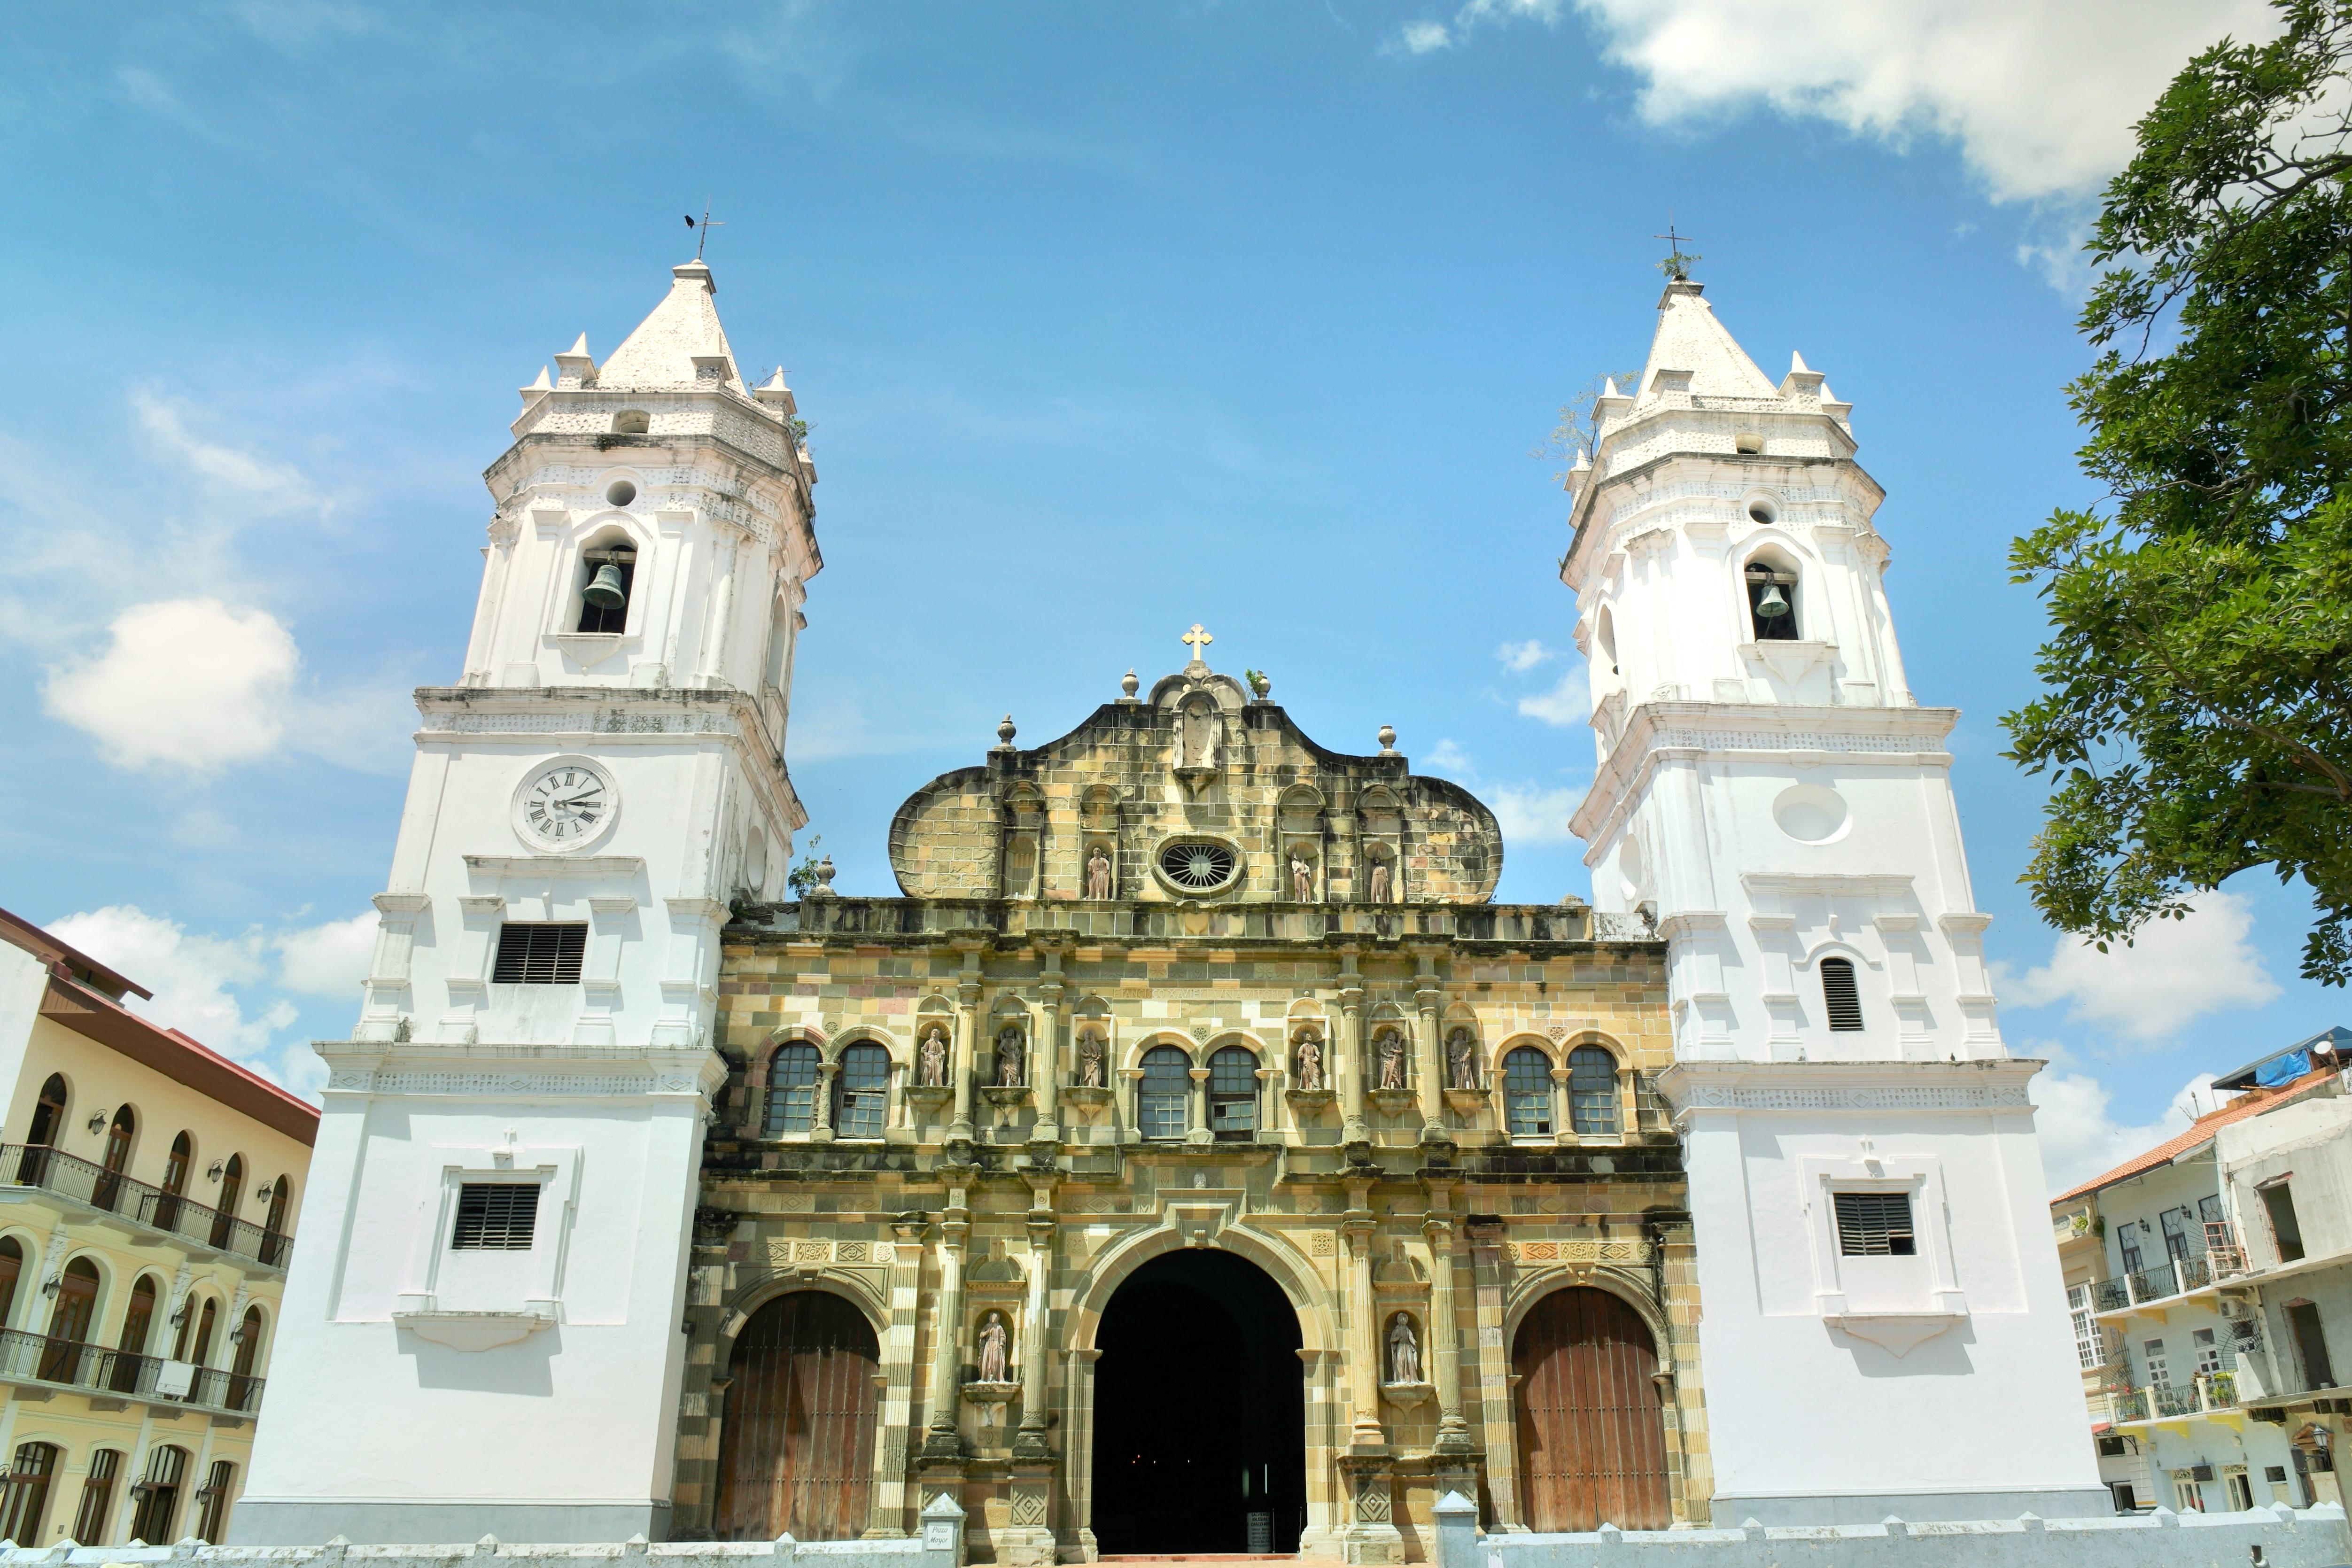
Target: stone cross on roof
[[1196, 639]]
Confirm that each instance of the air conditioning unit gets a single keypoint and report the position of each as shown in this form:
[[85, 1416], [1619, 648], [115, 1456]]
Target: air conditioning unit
[[2234, 1307]]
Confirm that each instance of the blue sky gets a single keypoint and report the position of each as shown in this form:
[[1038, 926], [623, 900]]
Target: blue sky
[[1108, 319]]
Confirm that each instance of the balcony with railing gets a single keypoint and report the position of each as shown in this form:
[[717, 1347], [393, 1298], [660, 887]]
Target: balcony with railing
[[42, 1362], [2207, 1392], [110, 1192], [2221, 1259]]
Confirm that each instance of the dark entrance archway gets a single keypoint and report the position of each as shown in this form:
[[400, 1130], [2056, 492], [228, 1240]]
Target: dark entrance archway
[[1200, 1410]]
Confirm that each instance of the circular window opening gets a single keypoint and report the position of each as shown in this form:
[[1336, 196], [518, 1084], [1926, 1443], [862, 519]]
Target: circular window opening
[[1811, 813], [1762, 511], [620, 492], [1198, 865]]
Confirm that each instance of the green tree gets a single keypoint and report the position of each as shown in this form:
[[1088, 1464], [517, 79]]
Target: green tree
[[2195, 716]]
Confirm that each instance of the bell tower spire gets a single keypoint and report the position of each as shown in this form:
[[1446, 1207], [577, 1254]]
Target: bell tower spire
[[1771, 799], [604, 781]]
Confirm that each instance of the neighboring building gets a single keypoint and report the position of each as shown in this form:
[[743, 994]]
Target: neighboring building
[[2204, 1304], [1191, 1158], [145, 1186]]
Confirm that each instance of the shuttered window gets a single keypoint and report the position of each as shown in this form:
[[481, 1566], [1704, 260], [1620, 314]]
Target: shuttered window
[[495, 1216], [1839, 996], [540, 953], [1874, 1225]]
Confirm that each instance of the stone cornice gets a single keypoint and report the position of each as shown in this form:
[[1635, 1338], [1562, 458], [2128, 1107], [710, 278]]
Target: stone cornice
[[1662, 730], [1997, 1084], [504, 1071]]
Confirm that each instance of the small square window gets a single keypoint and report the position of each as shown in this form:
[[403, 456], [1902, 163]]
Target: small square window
[[540, 953], [495, 1216], [1874, 1225]]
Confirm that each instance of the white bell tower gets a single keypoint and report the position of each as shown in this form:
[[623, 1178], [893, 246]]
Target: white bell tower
[[1884, 1328], [481, 1327]]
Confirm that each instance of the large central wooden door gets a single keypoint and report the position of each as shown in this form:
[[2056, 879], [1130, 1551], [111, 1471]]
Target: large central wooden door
[[796, 1449], [1592, 1441]]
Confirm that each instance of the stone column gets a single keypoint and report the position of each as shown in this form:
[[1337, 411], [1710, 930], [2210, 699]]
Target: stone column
[[1427, 1001], [1496, 1421], [943, 1438], [1345, 1053], [1200, 1131], [1029, 1442], [821, 1113], [887, 1509], [1363, 1330], [1445, 1336], [1045, 1052], [1078, 1377], [962, 1066]]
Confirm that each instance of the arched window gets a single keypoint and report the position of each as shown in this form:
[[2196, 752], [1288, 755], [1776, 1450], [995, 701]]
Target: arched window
[[1591, 1091], [1606, 628], [249, 1347], [182, 1160], [211, 1500], [27, 1500], [117, 1157], [607, 571], [63, 1357], [158, 1494], [1160, 1097], [792, 1090], [12, 1266], [1233, 1094], [138, 1321], [48, 1117], [232, 1194], [1772, 602], [861, 1092], [1841, 997], [1527, 1093], [273, 1242], [631, 422], [98, 1497]]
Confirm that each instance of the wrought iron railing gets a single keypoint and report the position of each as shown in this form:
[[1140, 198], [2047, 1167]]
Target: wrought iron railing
[[37, 1166], [2128, 1404], [2166, 1401], [94, 1369], [2155, 1284], [2110, 1295]]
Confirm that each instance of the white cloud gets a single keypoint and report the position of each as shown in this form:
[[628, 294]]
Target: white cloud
[[192, 977], [1517, 656], [2080, 1136], [1531, 814], [255, 482], [183, 683], [2040, 98], [2177, 971], [1420, 38], [329, 960], [1450, 757], [1569, 703]]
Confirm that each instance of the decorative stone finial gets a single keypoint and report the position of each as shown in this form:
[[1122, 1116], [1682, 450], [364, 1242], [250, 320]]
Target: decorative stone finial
[[1388, 741], [1004, 733], [1258, 684], [1127, 684]]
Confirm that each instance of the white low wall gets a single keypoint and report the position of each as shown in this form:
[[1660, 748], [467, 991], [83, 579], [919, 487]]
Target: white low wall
[[2260, 1538], [908, 1552]]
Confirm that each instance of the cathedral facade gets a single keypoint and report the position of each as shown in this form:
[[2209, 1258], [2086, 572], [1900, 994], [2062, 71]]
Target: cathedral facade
[[1194, 1159]]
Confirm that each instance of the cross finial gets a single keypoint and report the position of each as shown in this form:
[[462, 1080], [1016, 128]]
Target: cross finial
[[1677, 264], [702, 229], [1196, 639]]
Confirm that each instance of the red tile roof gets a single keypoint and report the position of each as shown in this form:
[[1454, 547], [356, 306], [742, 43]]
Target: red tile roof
[[2253, 1102]]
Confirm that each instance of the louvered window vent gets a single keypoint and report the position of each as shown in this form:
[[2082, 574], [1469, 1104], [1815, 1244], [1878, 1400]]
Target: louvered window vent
[[540, 953], [495, 1216], [1874, 1225]]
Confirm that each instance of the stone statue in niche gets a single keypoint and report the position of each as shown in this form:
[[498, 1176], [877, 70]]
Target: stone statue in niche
[[1098, 874], [1404, 1350], [994, 1340], [1382, 879], [1196, 736], [1310, 1064], [1302, 877], [1390, 1048], [1461, 1059], [1091, 1060], [932, 1060], [1011, 1052]]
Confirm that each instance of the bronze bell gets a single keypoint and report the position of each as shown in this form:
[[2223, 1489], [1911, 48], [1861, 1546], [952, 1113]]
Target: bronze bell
[[1773, 605], [605, 591]]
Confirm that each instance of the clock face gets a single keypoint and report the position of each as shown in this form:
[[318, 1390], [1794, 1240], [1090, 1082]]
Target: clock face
[[566, 804]]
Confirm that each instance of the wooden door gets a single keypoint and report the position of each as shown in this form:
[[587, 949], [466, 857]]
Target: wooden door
[[796, 1449], [1592, 1440]]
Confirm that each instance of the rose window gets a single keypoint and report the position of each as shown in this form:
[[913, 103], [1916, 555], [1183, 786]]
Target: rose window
[[1198, 865]]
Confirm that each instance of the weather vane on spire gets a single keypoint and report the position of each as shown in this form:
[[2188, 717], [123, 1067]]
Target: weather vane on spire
[[702, 230], [1677, 266]]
